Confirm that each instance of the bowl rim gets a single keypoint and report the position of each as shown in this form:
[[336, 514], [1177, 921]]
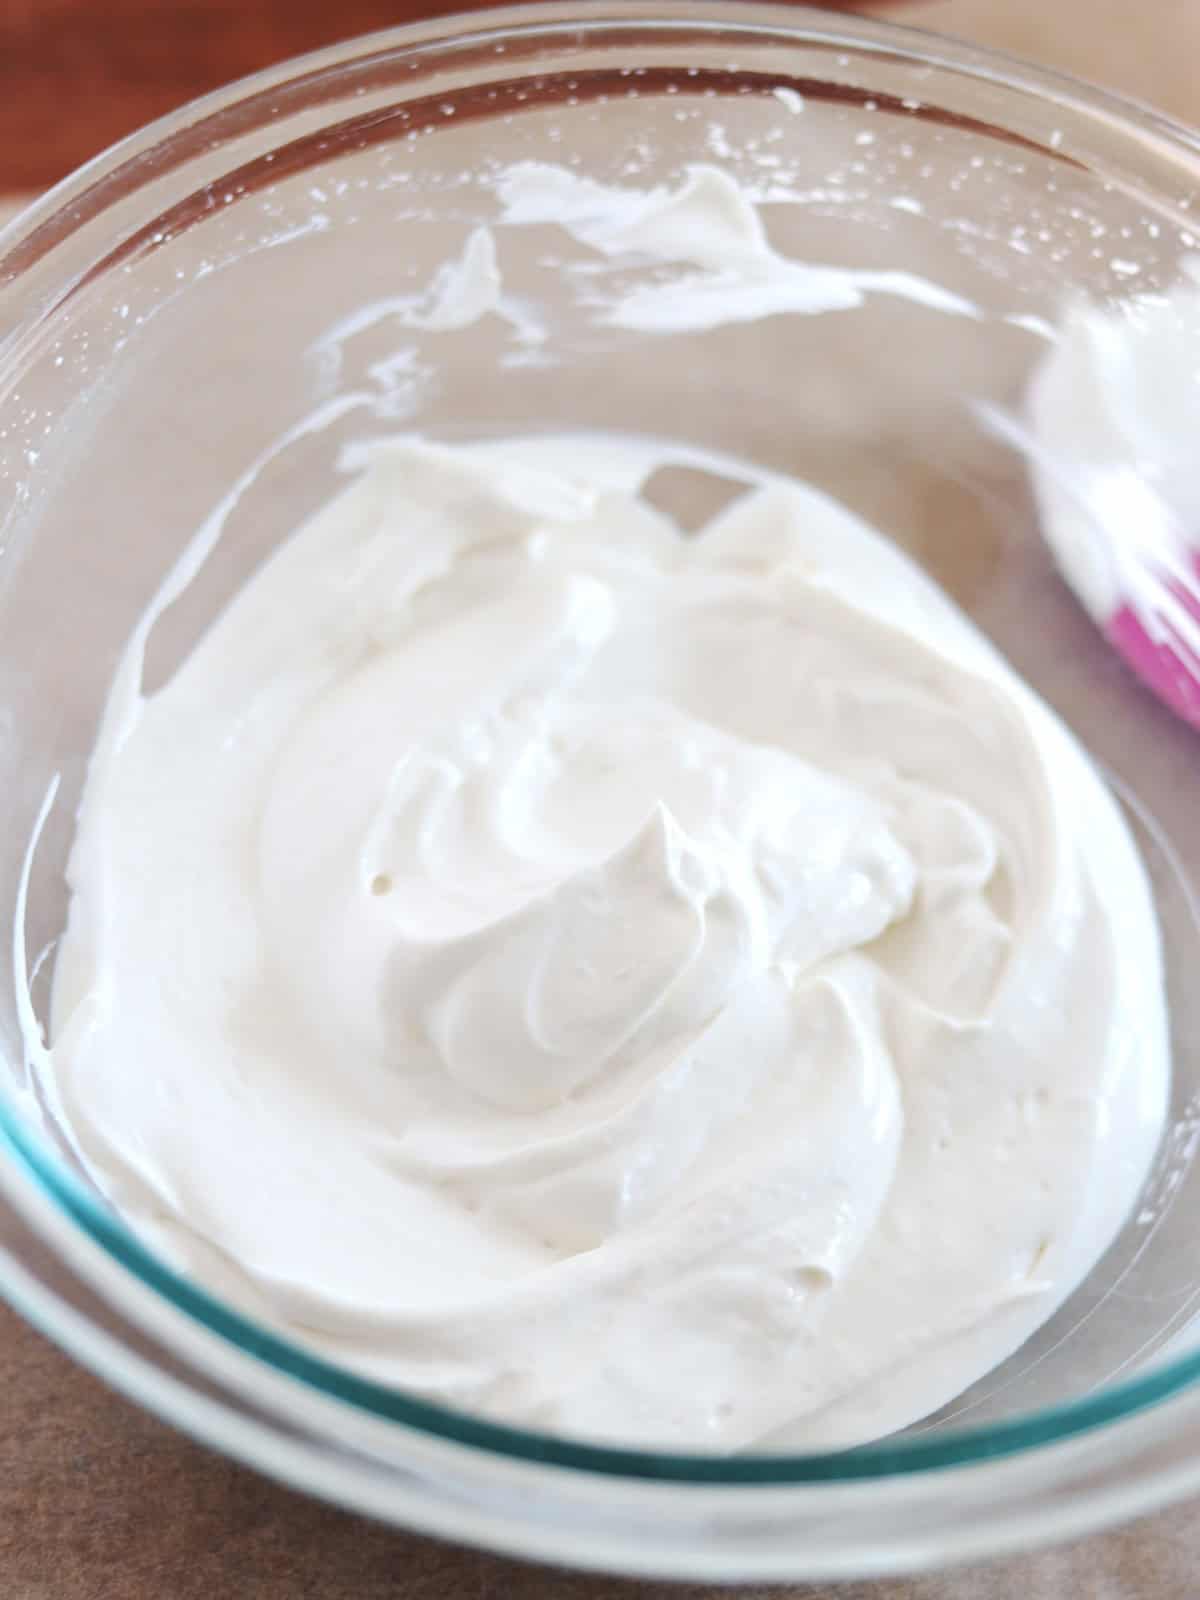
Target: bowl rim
[[84, 196]]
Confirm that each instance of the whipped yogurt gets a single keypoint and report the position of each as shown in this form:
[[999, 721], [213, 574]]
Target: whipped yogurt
[[681, 990]]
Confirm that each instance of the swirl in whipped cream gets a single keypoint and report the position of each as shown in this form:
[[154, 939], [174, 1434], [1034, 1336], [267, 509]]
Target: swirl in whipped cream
[[673, 989]]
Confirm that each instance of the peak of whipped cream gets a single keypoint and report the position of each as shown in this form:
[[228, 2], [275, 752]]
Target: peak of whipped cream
[[674, 989]]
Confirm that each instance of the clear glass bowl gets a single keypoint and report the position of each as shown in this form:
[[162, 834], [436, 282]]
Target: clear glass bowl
[[185, 303]]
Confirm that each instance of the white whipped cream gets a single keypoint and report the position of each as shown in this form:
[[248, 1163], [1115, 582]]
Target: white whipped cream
[[678, 257], [682, 990], [1114, 413], [712, 228]]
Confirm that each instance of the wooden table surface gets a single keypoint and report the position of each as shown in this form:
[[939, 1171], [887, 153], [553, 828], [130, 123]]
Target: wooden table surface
[[98, 1501], [75, 75]]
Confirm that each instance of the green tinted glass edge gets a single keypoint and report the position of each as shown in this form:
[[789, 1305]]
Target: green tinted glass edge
[[253, 1339]]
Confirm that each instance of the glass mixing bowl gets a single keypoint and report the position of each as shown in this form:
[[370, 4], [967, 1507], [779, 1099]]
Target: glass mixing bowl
[[218, 305]]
